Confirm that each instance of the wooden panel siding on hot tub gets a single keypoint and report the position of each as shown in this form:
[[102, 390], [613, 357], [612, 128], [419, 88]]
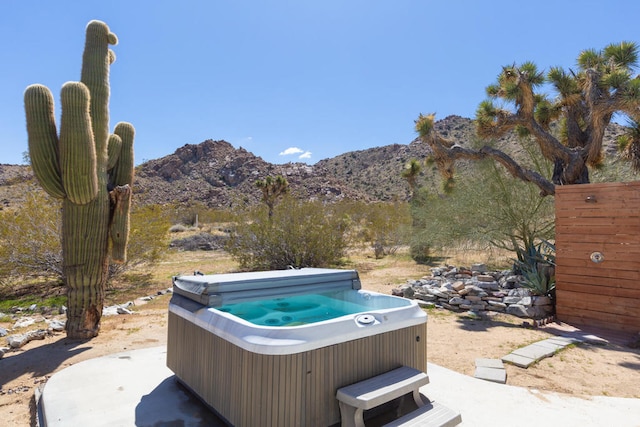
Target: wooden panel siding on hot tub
[[256, 375]]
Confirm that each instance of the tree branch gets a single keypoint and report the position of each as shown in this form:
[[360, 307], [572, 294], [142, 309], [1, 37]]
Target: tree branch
[[445, 157]]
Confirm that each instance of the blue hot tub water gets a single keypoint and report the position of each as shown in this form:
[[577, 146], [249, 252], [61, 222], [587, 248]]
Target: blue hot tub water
[[297, 310]]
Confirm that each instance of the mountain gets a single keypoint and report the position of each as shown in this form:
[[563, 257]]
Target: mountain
[[218, 175]]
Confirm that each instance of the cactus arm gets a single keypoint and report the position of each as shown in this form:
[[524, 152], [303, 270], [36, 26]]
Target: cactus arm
[[77, 149], [122, 179], [123, 169], [96, 60], [119, 229], [113, 150], [43, 139]]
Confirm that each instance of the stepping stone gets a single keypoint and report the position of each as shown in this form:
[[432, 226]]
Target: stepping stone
[[534, 351], [490, 370], [489, 363], [564, 340], [551, 345], [491, 374], [520, 361]]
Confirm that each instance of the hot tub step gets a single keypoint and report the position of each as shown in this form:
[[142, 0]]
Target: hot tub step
[[375, 391], [430, 415]]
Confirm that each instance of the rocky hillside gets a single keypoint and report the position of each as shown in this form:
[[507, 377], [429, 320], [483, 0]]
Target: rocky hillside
[[218, 175]]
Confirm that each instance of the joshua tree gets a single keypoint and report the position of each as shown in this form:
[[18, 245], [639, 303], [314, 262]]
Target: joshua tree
[[90, 171], [272, 188], [587, 100]]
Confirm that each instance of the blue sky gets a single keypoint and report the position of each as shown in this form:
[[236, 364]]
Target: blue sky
[[291, 80]]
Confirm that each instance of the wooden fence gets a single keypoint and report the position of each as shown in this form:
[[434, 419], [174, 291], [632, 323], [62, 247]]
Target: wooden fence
[[598, 255]]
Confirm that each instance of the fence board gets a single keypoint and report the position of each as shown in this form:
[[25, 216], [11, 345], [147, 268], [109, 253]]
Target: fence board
[[568, 221], [603, 288], [602, 320], [605, 294]]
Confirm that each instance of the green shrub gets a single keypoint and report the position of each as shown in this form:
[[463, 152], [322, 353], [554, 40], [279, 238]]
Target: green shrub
[[147, 238], [177, 228], [30, 238], [200, 242], [298, 234], [487, 207]]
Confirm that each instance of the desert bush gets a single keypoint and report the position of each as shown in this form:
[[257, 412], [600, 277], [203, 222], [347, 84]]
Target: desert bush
[[147, 238], [298, 234], [200, 242], [178, 228], [196, 213], [488, 207], [385, 227], [30, 238]]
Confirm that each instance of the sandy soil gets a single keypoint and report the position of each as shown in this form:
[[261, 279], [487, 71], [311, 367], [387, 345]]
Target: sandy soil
[[453, 342]]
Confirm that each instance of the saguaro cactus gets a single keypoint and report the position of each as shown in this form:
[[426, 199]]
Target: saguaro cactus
[[91, 171]]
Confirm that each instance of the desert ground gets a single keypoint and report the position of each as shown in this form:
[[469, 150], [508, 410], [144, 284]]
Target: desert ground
[[453, 341]]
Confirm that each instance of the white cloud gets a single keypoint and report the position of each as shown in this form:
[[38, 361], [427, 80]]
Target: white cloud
[[305, 155], [290, 151]]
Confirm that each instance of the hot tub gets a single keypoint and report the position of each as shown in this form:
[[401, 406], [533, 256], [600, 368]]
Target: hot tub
[[271, 348]]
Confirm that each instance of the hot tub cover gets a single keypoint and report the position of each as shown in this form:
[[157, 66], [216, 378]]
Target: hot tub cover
[[215, 290]]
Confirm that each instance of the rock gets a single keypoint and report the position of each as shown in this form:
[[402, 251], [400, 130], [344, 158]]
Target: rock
[[33, 307], [473, 290], [458, 285], [480, 268], [451, 273], [511, 300], [517, 310], [457, 301], [3, 332], [407, 291], [497, 306], [123, 310], [17, 341], [57, 325], [23, 322], [465, 291], [438, 293], [526, 301], [478, 306], [485, 278], [490, 286], [438, 271], [425, 297], [541, 300], [473, 298], [519, 292]]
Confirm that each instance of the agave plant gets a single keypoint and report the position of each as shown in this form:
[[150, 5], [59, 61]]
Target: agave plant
[[536, 263]]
